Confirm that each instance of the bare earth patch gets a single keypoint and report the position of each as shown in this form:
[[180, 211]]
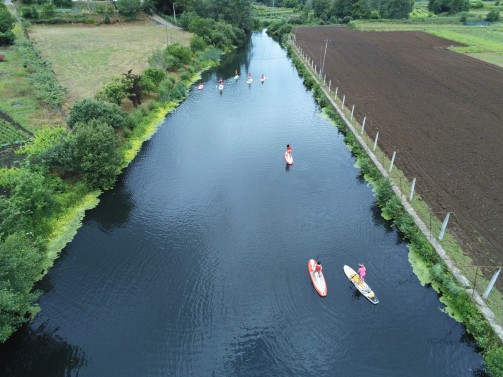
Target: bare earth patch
[[441, 111], [85, 57]]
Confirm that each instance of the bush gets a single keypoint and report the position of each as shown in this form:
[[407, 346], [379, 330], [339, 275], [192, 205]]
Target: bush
[[94, 153], [7, 38], [493, 16], [129, 8], [89, 109], [30, 13], [197, 43], [155, 74], [7, 21], [477, 4], [63, 3], [48, 10], [494, 361]]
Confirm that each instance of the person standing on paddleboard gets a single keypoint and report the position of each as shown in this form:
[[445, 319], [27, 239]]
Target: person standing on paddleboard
[[289, 149], [362, 271], [318, 268]]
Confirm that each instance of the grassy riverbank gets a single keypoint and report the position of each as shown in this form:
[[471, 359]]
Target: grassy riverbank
[[426, 262]]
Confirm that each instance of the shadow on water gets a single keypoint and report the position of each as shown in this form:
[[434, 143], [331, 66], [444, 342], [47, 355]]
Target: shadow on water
[[39, 353], [380, 221], [110, 215]]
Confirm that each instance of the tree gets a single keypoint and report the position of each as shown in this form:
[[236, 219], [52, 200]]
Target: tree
[[448, 6], [115, 90], [129, 8], [396, 9], [94, 148], [7, 21], [20, 261], [88, 109]]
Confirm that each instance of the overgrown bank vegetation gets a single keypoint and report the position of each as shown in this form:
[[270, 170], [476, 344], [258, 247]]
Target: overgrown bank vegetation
[[61, 172], [457, 300]]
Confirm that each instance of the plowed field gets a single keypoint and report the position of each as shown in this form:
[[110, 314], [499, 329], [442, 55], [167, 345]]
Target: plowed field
[[441, 111]]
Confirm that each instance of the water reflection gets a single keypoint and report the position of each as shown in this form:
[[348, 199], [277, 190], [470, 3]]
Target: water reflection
[[116, 206], [39, 353], [380, 221]]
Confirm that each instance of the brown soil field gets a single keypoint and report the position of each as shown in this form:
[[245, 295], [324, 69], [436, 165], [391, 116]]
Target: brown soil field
[[441, 111]]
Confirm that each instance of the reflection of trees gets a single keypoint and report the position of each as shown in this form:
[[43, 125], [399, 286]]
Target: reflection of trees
[[233, 61], [38, 353], [114, 208], [379, 220]]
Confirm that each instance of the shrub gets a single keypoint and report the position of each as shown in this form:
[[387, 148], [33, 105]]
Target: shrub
[[197, 43], [129, 8], [477, 4], [48, 10], [7, 38], [89, 109], [494, 361], [63, 3], [7, 21], [493, 16], [155, 74], [115, 90]]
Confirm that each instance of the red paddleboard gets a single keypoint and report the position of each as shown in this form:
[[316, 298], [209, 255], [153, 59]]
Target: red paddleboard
[[317, 278], [288, 158]]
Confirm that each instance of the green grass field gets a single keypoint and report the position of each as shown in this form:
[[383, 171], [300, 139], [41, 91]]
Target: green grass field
[[85, 57], [481, 42]]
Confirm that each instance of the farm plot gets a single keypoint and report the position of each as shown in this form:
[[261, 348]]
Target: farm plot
[[11, 135], [441, 111]]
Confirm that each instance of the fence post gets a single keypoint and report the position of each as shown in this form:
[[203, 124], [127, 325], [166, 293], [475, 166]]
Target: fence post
[[375, 142], [343, 100], [329, 85], [392, 160], [352, 111], [335, 96], [444, 225], [363, 125], [324, 79], [491, 284], [412, 189]]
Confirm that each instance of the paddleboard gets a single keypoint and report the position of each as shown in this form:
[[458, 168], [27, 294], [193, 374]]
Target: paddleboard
[[249, 81], [361, 286], [262, 79], [317, 278], [200, 87], [236, 77], [288, 158], [221, 87]]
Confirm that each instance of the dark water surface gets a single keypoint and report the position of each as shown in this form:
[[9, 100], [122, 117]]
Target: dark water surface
[[196, 263]]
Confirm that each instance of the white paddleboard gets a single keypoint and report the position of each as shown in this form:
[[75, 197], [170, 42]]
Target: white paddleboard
[[361, 286]]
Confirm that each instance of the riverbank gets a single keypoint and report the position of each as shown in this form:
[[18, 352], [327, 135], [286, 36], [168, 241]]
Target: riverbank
[[438, 269]]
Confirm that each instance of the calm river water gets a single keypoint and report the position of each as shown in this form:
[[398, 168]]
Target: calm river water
[[196, 263]]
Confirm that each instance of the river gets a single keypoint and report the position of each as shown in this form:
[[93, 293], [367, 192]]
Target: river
[[195, 264]]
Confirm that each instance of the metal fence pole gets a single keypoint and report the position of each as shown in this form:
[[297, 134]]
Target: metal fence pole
[[392, 161], [444, 225], [412, 189], [491, 284], [375, 142]]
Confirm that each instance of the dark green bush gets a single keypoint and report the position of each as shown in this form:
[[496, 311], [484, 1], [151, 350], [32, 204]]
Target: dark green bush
[[89, 109]]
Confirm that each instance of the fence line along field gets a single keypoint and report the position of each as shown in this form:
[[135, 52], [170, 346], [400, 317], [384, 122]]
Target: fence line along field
[[85, 57], [440, 110]]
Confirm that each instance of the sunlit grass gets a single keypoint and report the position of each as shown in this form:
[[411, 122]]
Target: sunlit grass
[[85, 57], [484, 43]]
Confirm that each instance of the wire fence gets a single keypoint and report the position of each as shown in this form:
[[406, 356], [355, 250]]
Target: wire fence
[[436, 221]]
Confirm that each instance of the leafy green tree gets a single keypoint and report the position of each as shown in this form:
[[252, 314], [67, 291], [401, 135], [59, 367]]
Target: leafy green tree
[[115, 90], [95, 152], [12, 218], [448, 6], [129, 8], [154, 74], [197, 43], [396, 9], [321, 8], [88, 109], [20, 261], [7, 21]]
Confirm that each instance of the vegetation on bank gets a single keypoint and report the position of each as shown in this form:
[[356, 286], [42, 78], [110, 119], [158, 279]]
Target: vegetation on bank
[[457, 300], [59, 174]]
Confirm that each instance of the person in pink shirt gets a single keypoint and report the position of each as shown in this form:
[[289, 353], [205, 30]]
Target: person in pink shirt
[[318, 268], [362, 271]]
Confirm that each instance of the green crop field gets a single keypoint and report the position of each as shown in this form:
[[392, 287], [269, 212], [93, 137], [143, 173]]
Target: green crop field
[[85, 57], [481, 42], [11, 135]]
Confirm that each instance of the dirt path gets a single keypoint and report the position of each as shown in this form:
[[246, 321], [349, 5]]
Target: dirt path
[[441, 111]]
